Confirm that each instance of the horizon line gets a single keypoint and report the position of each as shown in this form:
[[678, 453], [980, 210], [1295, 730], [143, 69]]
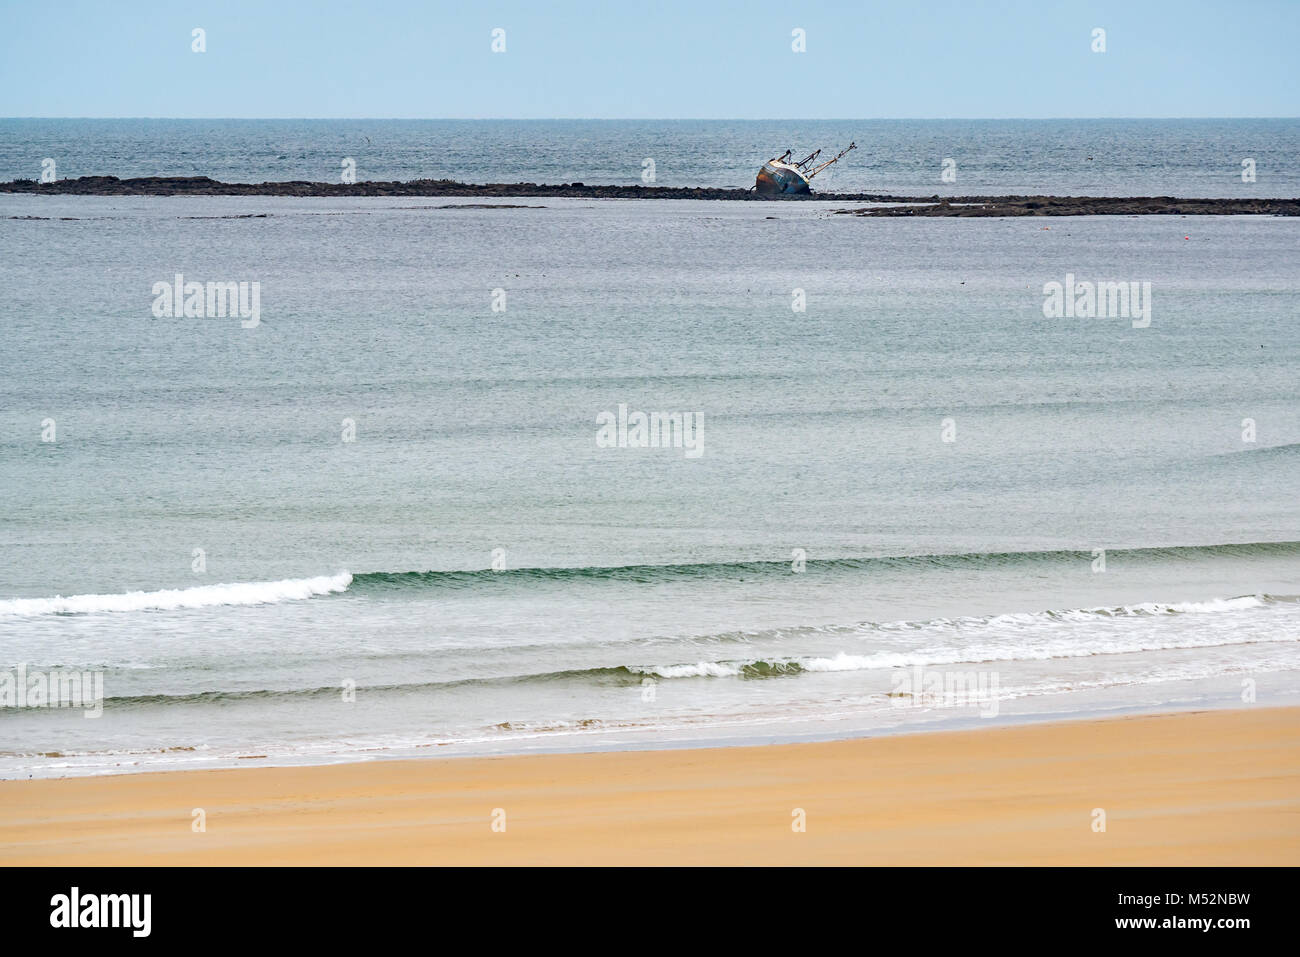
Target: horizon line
[[642, 119]]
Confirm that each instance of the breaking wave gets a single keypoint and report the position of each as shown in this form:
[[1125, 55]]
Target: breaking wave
[[201, 596], [256, 593], [744, 570], [1034, 636]]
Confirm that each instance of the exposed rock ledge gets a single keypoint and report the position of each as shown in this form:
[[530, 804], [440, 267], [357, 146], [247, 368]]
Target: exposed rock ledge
[[916, 205]]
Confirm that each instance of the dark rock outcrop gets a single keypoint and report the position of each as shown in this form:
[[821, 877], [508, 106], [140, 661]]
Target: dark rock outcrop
[[959, 206]]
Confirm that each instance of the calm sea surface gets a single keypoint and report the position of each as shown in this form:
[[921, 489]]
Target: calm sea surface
[[244, 529], [1075, 157]]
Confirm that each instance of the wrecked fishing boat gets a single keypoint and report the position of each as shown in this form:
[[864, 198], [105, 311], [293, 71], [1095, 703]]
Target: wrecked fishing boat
[[782, 177]]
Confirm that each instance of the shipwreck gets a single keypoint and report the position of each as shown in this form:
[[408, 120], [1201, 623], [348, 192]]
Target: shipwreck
[[782, 177]]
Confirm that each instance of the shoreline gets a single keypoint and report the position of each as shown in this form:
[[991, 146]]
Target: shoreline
[[933, 205], [1196, 787], [548, 744]]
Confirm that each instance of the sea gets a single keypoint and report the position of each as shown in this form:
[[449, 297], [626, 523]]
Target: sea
[[409, 505]]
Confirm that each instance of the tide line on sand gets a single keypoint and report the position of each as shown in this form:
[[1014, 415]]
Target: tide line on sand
[[1206, 788]]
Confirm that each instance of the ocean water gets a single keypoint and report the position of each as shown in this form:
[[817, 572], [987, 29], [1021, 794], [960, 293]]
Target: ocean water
[[1104, 533], [899, 157]]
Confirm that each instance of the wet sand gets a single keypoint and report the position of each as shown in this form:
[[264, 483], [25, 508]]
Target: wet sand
[[1219, 787]]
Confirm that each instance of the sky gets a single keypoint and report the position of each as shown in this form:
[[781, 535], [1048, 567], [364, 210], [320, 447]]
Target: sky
[[650, 60]]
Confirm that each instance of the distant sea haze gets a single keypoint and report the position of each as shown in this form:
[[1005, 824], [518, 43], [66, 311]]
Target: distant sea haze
[[1188, 158]]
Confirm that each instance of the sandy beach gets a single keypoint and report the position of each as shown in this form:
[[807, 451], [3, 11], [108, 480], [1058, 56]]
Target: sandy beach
[[1208, 788]]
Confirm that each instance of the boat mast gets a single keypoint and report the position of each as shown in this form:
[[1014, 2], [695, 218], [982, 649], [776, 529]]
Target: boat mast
[[838, 156], [808, 159]]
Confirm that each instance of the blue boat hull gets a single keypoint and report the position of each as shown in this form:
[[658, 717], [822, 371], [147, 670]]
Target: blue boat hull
[[780, 181]]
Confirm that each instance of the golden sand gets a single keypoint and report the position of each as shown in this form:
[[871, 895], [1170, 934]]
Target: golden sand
[[1218, 787]]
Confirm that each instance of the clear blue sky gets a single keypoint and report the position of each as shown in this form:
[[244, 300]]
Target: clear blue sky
[[659, 59]]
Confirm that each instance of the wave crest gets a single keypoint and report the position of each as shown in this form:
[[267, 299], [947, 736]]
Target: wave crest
[[201, 596]]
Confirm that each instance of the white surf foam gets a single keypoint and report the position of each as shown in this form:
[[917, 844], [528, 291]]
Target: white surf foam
[[701, 669], [1074, 633], [202, 596]]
